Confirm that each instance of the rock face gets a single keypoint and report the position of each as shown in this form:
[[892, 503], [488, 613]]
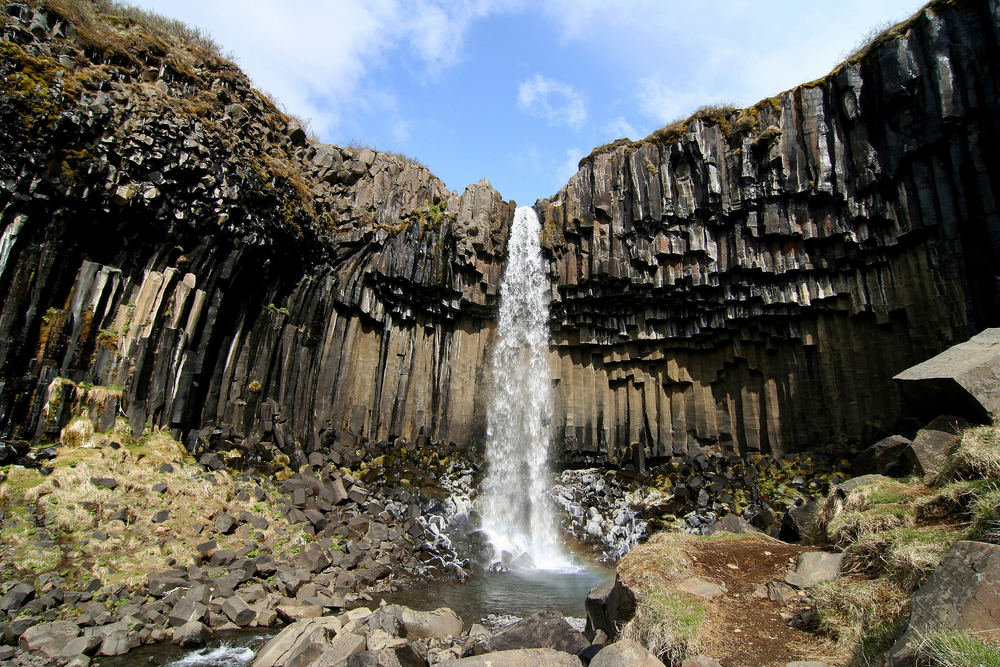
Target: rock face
[[190, 247], [748, 280], [754, 279], [962, 593]]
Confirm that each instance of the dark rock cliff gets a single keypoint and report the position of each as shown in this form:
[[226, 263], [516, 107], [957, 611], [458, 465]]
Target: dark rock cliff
[[169, 232], [752, 279], [744, 280]]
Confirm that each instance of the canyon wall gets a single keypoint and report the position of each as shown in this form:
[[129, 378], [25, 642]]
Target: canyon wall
[[751, 280], [746, 280]]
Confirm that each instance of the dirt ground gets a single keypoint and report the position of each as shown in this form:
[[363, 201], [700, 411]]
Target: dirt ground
[[745, 630]]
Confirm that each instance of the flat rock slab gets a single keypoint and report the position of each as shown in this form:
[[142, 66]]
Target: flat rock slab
[[814, 568], [302, 641], [544, 629], [963, 592], [525, 657], [701, 587], [963, 380], [625, 652]]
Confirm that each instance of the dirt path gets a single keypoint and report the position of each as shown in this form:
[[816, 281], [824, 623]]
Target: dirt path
[[749, 630]]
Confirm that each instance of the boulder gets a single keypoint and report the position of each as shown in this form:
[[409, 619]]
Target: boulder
[[16, 597], [885, 457], [625, 652], [609, 605], [305, 639], [929, 450], [386, 657], [405, 622], [528, 657], [238, 611], [732, 523], [545, 629], [963, 592], [798, 522], [339, 651], [813, 568], [963, 380], [192, 634], [49, 638]]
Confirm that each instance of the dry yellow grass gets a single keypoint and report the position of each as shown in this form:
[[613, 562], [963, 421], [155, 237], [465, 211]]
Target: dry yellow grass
[[76, 508]]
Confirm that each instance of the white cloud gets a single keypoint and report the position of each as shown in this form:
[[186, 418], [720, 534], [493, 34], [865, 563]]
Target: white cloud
[[316, 57], [557, 102]]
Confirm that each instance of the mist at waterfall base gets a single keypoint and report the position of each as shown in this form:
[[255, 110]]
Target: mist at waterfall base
[[517, 513]]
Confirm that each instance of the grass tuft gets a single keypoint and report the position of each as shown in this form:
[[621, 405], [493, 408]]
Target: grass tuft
[[668, 623], [948, 647]]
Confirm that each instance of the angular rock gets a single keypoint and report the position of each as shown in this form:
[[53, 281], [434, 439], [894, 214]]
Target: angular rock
[[799, 522], [301, 642], [609, 604], [225, 524], [885, 457], [49, 638], [813, 568], [732, 523], [963, 380], [625, 652], [701, 587], [529, 657], [238, 611], [411, 624], [963, 592], [545, 629], [927, 454], [16, 597], [340, 650], [192, 635]]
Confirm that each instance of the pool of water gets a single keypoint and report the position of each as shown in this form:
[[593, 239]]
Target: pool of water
[[515, 593]]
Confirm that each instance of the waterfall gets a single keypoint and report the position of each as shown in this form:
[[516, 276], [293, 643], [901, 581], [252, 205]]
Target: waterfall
[[517, 513], [7, 242]]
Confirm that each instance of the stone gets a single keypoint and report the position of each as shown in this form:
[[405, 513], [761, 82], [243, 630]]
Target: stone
[[609, 605], [85, 644], [7, 652], [814, 567], [545, 629], [104, 482], [700, 661], [928, 452], [300, 643], [16, 597], [963, 380], [732, 523], [779, 591], [371, 658], [160, 516], [48, 638], [701, 587], [885, 457], [529, 657], [191, 635], [963, 592], [238, 611], [799, 522], [185, 611], [296, 612], [625, 652], [225, 524], [340, 650], [395, 619]]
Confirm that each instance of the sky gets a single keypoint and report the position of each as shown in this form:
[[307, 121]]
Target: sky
[[517, 91]]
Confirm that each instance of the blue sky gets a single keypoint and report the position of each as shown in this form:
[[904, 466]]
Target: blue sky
[[517, 91]]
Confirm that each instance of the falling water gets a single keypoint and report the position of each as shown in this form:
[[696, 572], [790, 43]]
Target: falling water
[[7, 242], [517, 513]]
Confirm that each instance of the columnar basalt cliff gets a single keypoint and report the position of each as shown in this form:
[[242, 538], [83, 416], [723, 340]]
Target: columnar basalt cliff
[[169, 232], [747, 280], [752, 279]]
